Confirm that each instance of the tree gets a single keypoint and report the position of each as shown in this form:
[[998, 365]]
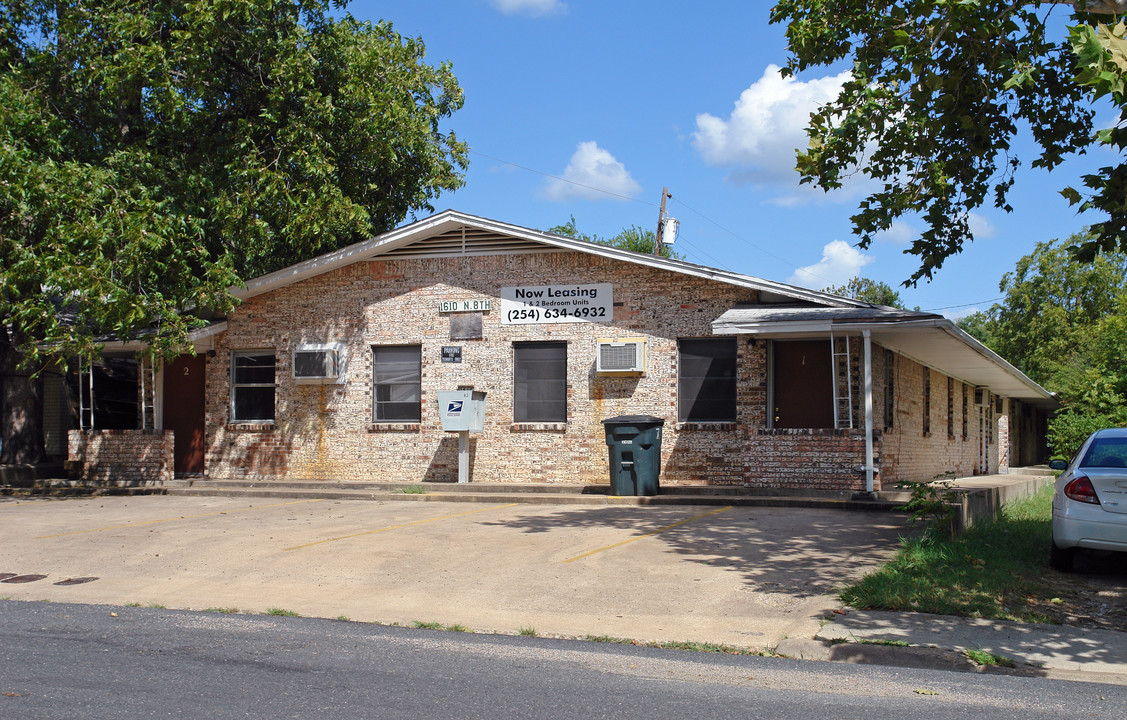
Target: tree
[[1064, 323], [153, 154], [631, 238], [870, 291], [940, 90]]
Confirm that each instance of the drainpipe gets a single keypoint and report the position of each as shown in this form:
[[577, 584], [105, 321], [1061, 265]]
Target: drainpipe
[[868, 411]]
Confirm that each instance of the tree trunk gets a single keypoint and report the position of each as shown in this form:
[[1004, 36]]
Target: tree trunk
[[21, 408]]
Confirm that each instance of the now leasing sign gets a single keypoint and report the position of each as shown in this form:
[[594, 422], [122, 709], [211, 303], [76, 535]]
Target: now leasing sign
[[540, 304]]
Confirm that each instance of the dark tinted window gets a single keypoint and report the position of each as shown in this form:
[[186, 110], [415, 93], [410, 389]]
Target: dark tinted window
[[706, 380], [1106, 452], [397, 383], [540, 382], [252, 386]]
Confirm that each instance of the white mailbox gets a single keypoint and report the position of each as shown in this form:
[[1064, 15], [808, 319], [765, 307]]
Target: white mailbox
[[462, 410]]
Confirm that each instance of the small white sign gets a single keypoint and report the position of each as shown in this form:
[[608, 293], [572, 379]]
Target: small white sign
[[542, 304], [445, 306]]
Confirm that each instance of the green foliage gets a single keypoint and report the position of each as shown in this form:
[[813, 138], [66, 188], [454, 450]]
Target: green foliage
[[939, 91], [870, 291], [931, 503], [153, 154], [996, 569], [633, 238], [1069, 429], [988, 659], [1064, 323]]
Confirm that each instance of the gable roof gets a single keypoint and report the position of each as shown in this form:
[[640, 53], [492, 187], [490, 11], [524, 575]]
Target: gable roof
[[455, 234]]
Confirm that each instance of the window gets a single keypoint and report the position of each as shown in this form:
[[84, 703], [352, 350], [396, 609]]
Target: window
[[889, 388], [950, 409], [540, 382], [252, 386], [964, 411], [706, 380], [397, 383], [927, 401]]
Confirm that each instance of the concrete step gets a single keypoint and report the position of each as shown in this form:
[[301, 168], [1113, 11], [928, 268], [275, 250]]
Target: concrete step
[[487, 494]]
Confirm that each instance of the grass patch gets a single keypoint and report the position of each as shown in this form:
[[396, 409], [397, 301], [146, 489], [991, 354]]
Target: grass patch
[[345, 618], [223, 610], [426, 625], [412, 490], [981, 657], [281, 612], [458, 628], [996, 569], [527, 631], [133, 604], [674, 645], [156, 606]]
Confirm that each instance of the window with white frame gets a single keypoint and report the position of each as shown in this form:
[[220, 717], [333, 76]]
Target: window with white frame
[[252, 386]]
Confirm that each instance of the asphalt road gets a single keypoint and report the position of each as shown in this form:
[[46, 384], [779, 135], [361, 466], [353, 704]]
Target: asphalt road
[[63, 661]]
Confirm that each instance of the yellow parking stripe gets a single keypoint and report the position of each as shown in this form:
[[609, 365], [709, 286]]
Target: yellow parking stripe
[[645, 535], [396, 527], [182, 517]]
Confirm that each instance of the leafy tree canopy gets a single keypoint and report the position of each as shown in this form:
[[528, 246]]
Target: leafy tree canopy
[[154, 153], [1064, 323], [632, 238], [866, 290], [940, 90]]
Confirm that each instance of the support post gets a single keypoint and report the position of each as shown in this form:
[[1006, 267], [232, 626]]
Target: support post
[[464, 456], [868, 411]]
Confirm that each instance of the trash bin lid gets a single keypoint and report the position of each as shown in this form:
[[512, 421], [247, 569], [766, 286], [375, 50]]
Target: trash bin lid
[[634, 420]]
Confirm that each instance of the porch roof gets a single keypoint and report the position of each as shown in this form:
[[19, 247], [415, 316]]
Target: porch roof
[[926, 338]]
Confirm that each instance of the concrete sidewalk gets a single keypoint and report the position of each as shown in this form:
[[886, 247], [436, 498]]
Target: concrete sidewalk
[[1033, 647]]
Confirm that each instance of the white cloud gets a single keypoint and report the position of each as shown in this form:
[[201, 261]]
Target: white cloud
[[901, 233], [591, 173], [840, 262], [980, 227], [530, 7], [767, 124]]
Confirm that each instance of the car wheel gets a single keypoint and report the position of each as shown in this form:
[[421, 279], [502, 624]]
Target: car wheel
[[1061, 558]]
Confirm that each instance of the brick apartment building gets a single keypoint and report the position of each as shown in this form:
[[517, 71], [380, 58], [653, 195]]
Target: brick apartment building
[[329, 370]]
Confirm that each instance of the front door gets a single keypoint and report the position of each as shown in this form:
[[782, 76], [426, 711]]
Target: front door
[[184, 412], [803, 384]]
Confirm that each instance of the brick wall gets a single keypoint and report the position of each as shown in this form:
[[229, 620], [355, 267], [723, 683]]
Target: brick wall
[[910, 454], [122, 458], [326, 431]]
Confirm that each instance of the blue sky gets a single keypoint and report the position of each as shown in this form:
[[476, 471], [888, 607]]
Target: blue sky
[[628, 97]]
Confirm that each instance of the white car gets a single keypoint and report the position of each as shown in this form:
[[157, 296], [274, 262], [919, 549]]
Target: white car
[[1090, 498]]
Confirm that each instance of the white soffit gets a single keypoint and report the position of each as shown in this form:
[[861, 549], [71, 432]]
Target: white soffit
[[930, 340]]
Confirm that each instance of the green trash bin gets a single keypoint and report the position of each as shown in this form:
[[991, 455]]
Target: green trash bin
[[635, 453]]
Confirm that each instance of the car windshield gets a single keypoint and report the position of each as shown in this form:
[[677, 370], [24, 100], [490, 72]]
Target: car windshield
[[1106, 452]]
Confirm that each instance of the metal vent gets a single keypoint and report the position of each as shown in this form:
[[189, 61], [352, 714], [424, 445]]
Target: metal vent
[[469, 241], [616, 356]]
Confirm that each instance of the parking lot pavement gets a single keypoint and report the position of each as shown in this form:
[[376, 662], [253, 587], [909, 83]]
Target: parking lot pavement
[[742, 576]]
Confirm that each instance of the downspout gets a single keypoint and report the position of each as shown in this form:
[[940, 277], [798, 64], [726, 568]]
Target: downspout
[[868, 410]]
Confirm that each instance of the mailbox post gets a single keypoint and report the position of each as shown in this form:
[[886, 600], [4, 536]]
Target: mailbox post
[[463, 412]]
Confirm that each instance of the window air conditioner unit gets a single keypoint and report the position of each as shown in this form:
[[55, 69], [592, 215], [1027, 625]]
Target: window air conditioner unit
[[627, 355], [318, 364]]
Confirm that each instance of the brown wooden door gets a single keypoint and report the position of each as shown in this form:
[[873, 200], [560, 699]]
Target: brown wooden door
[[803, 384], [184, 411]]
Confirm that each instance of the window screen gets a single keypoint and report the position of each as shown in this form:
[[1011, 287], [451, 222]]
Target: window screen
[[540, 382], [252, 386], [397, 383], [706, 380]]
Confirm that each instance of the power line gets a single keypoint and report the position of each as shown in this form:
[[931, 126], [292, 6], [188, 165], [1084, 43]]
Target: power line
[[954, 307]]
